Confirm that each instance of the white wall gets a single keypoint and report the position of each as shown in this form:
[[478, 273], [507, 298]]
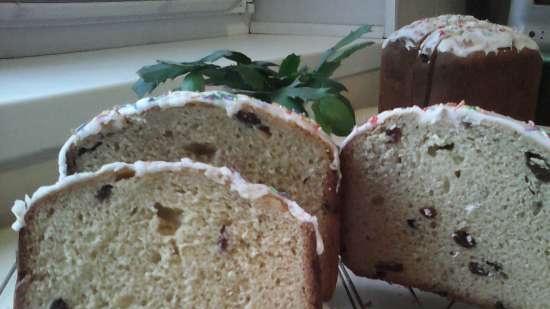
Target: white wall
[[353, 12], [409, 10], [345, 12]]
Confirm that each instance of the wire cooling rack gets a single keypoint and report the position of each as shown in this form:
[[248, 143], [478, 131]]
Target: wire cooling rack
[[7, 279]]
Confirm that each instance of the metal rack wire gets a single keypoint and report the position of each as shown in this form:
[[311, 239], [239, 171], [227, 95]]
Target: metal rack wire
[[7, 278], [353, 296]]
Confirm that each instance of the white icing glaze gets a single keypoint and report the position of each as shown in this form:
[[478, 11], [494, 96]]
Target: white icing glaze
[[299, 212], [118, 116], [459, 35], [415, 32], [221, 175], [458, 114]]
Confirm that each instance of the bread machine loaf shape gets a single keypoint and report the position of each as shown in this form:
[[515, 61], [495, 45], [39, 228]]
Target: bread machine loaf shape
[[451, 58]]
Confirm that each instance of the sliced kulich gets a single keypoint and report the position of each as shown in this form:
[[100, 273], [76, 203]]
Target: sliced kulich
[[164, 235], [266, 143], [451, 199]]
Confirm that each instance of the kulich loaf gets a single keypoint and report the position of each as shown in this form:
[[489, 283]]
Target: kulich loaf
[[164, 235], [451, 58], [450, 199], [266, 143]]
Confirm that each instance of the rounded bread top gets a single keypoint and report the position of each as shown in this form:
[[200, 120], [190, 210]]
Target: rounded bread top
[[118, 116], [458, 114], [221, 175], [460, 35]]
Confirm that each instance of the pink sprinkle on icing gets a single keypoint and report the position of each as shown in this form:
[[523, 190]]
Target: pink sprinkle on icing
[[373, 120]]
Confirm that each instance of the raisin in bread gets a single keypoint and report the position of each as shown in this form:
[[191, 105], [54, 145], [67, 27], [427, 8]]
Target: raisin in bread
[[450, 58], [266, 143], [164, 235], [451, 199]]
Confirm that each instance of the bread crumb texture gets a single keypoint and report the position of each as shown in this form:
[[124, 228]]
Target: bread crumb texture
[[163, 240], [452, 207]]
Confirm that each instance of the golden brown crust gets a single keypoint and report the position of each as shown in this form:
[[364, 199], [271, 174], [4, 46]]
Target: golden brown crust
[[311, 266], [506, 82], [70, 159], [20, 290], [328, 216], [345, 157]]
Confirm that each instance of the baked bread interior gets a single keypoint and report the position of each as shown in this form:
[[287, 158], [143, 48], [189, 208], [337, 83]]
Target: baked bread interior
[[164, 235], [266, 143], [450, 199]]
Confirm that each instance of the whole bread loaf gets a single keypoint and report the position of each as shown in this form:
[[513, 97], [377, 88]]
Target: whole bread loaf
[[451, 58], [450, 199], [164, 235]]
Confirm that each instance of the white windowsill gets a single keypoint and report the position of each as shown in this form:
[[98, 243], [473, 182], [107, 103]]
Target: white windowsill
[[44, 97], [32, 78]]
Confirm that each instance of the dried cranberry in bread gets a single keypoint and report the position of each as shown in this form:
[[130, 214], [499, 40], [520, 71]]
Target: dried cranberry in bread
[[266, 143], [164, 235], [450, 199], [451, 58]]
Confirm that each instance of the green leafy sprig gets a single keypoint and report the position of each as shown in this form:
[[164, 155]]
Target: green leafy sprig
[[299, 88]]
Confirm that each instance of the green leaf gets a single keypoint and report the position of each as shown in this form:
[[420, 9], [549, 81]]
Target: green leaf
[[321, 81], [265, 63], [335, 59], [289, 66], [327, 68], [319, 118], [265, 70], [290, 103], [141, 87], [233, 79], [160, 72], [304, 93], [343, 53], [227, 54], [251, 76], [193, 81], [291, 85], [336, 114], [352, 36], [216, 76], [347, 102]]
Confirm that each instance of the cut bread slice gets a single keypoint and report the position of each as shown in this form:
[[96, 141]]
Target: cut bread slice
[[164, 235], [266, 143], [453, 200]]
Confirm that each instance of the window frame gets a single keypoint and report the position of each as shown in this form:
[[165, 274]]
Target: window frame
[[27, 14], [35, 29]]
